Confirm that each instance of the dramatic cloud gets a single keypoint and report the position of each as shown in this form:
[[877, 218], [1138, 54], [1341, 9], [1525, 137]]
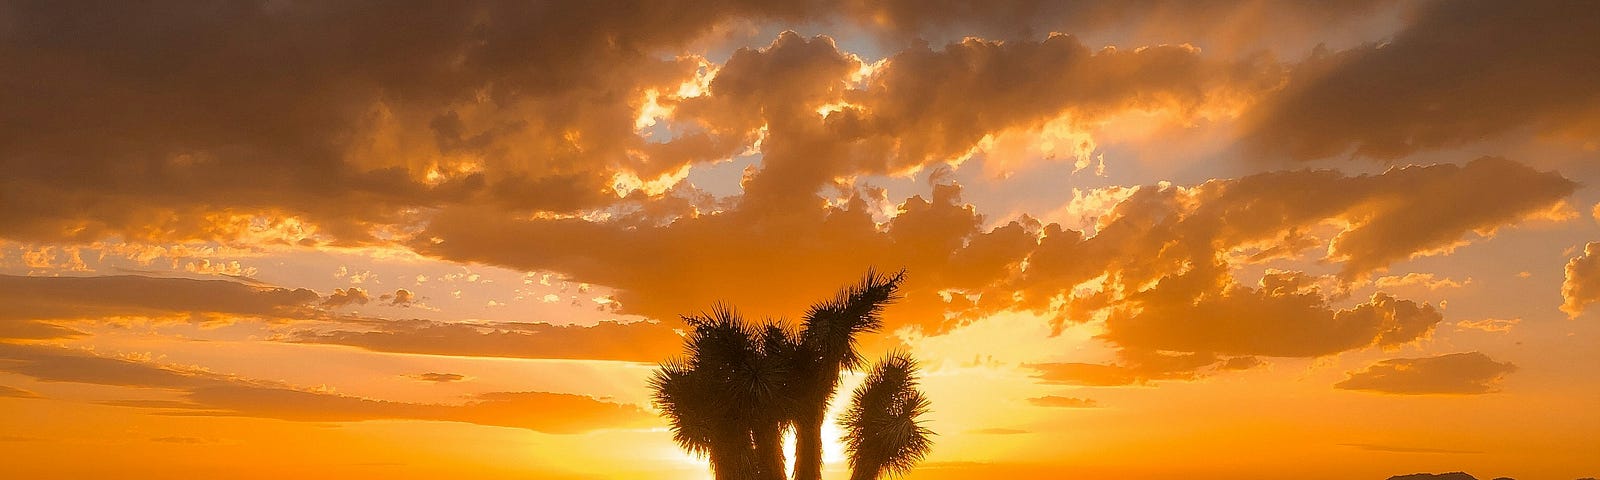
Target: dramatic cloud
[[574, 155], [918, 109], [326, 117], [1582, 285], [1456, 373], [1165, 180], [360, 133], [1460, 72], [1159, 264], [1422, 209], [73, 298], [607, 340]]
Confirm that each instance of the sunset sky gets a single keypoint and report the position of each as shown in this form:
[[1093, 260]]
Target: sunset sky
[[1152, 239]]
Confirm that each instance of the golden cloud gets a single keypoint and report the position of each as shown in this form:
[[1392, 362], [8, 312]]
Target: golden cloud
[[1457, 373], [1582, 285]]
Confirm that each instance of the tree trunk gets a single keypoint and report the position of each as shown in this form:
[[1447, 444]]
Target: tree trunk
[[864, 472], [722, 467], [732, 458], [808, 446], [769, 451]]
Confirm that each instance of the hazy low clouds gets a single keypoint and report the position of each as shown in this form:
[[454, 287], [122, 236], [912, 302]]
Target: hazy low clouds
[[212, 394], [1456, 373], [606, 340]]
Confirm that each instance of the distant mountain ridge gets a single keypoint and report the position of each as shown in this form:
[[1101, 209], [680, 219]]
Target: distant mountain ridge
[[1431, 476], [1451, 476]]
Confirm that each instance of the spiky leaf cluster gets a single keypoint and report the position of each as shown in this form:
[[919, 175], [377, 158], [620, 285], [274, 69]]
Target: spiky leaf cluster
[[883, 424], [828, 333], [741, 384], [731, 385]]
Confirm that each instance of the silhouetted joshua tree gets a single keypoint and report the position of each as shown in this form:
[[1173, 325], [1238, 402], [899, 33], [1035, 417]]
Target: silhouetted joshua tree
[[741, 385], [882, 433]]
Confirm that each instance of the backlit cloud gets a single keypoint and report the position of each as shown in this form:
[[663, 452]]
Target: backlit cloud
[[346, 296], [1158, 250], [1582, 285]]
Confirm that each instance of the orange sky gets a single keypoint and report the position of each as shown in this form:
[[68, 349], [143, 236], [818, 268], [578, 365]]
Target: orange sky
[[1211, 240]]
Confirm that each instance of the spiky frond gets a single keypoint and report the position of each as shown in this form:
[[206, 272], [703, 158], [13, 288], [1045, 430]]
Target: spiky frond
[[689, 406], [830, 327], [728, 388], [883, 425]]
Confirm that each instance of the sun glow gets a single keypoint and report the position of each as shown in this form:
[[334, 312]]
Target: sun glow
[[832, 441]]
